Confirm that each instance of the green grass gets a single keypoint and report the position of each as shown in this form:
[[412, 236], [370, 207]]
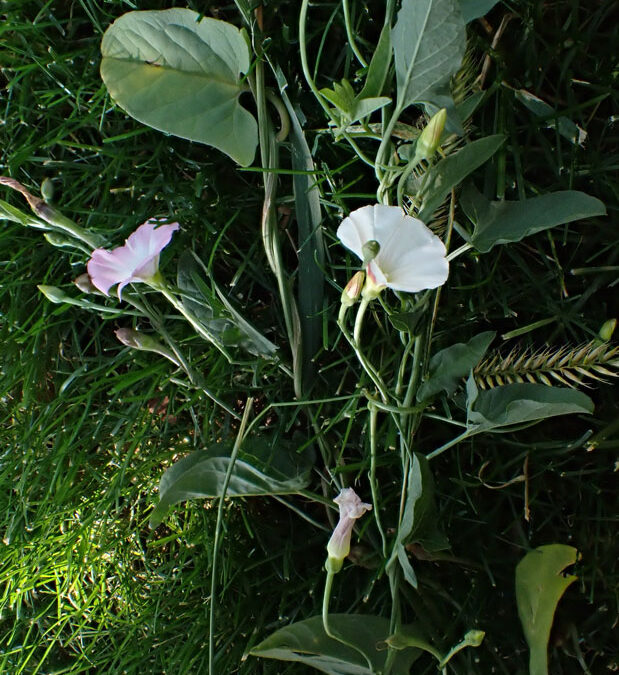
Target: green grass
[[86, 585]]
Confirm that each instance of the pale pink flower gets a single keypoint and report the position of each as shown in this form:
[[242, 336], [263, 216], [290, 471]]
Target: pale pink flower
[[351, 508], [136, 261], [410, 258]]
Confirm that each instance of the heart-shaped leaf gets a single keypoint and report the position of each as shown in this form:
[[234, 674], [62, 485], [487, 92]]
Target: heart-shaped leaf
[[514, 404], [306, 642], [429, 40], [502, 222], [262, 468], [182, 76]]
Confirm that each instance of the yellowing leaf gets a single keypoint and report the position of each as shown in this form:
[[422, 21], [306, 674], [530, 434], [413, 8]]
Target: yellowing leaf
[[540, 583]]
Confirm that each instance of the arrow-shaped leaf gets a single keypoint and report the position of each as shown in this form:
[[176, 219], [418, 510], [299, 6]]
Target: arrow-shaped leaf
[[182, 76]]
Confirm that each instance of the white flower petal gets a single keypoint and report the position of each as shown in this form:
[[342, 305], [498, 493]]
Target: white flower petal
[[411, 257], [358, 228]]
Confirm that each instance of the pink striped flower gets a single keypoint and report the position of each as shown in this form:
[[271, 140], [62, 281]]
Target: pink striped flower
[[136, 261]]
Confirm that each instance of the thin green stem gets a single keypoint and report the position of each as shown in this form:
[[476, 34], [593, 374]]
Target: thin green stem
[[459, 251], [325, 620], [363, 305], [373, 484], [325, 604], [270, 232], [449, 444], [235, 450], [396, 409], [177, 358], [402, 369], [404, 177], [365, 363], [284, 118], [304, 63], [381, 175], [350, 35], [312, 84]]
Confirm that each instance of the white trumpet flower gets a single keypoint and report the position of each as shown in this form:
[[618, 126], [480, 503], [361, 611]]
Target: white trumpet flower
[[410, 257]]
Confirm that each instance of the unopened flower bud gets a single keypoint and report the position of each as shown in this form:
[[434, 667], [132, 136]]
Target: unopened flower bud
[[428, 141], [352, 291], [137, 340], [474, 638], [607, 329], [84, 284], [53, 294], [370, 250], [143, 342], [47, 189], [59, 240]]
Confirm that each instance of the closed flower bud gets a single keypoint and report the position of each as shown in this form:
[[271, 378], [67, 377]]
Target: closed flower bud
[[47, 189], [84, 284], [53, 294], [59, 240], [143, 342], [428, 141], [607, 329], [352, 291], [137, 340]]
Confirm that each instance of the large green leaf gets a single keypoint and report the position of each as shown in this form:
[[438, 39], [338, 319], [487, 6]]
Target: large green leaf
[[450, 365], [473, 9], [452, 170], [540, 583], [182, 76], [261, 469], [429, 40], [514, 404], [306, 642], [502, 222]]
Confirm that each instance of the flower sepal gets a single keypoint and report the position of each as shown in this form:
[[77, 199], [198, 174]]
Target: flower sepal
[[372, 288], [333, 565]]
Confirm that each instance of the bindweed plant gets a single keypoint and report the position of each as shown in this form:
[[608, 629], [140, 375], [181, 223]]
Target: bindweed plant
[[214, 83]]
